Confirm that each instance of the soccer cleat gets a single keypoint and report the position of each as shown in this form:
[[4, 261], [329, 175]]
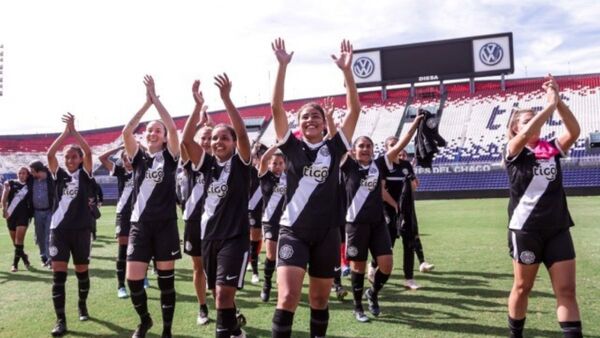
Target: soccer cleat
[[426, 267], [255, 279], [202, 318], [373, 302], [371, 274], [411, 284], [146, 283], [59, 329], [340, 292], [241, 335], [83, 311], [13, 269], [360, 316], [122, 293], [241, 319], [265, 293], [143, 328]]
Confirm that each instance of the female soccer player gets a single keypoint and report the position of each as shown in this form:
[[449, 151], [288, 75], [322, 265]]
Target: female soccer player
[[71, 224], [539, 220], [255, 211], [153, 216], [16, 206], [310, 230], [124, 174], [273, 183], [224, 223], [193, 203]]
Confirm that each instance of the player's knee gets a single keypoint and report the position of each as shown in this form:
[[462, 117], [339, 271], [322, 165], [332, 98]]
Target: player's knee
[[224, 298], [385, 263], [522, 288], [318, 300], [565, 291], [287, 299]]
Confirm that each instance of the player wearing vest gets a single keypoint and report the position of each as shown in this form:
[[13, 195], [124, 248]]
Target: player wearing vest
[[273, 184], [17, 210], [309, 233], [193, 202], [224, 223], [154, 230], [124, 174], [539, 219], [255, 212], [70, 227]]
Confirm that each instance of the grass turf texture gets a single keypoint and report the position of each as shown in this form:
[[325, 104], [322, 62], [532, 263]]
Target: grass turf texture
[[466, 295]]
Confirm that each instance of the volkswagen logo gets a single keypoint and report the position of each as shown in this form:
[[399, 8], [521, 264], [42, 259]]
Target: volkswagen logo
[[363, 67], [491, 54]]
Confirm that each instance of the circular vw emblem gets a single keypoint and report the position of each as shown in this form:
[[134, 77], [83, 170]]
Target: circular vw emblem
[[491, 54], [286, 251], [53, 251], [352, 251], [527, 257], [363, 67]]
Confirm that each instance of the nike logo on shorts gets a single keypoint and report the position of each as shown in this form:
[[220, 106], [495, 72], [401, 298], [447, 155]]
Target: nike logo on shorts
[[230, 277], [173, 253], [337, 268]]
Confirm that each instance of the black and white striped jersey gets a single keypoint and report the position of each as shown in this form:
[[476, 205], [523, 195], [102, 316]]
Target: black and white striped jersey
[[274, 189], [193, 203], [72, 197], [154, 197], [312, 181], [363, 192], [226, 204], [255, 198], [19, 200], [394, 175], [537, 198], [124, 188]]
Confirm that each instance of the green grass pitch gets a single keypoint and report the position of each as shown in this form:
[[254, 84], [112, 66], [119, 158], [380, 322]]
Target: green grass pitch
[[465, 296]]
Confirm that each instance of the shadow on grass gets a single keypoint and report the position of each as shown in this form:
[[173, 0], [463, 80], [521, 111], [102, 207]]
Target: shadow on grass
[[25, 276]]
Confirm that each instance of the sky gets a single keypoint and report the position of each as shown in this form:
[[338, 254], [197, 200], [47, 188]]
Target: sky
[[89, 57]]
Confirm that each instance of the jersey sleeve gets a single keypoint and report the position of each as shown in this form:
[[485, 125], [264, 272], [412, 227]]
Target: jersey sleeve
[[339, 143], [138, 157], [169, 157], [348, 165], [507, 159], [59, 174], [117, 171], [383, 166], [289, 143], [561, 152]]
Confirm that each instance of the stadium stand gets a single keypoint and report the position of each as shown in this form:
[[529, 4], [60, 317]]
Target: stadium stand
[[473, 124]]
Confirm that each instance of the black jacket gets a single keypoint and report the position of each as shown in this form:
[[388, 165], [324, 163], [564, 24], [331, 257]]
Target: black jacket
[[427, 139], [407, 217]]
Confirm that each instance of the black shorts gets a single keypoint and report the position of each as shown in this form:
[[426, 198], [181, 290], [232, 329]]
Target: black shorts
[[16, 220], [362, 238], [153, 239], [534, 247], [225, 261], [122, 225], [271, 232], [254, 219], [76, 242], [321, 254], [192, 242]]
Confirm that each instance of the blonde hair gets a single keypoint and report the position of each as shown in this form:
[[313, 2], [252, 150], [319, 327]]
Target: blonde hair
[[515, 115]]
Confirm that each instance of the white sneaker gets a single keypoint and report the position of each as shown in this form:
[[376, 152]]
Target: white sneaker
[[360, 316], [255, 279], [122, 293], [242, 335], [371, 274], [202, 319], [410, 284], [426, 267]]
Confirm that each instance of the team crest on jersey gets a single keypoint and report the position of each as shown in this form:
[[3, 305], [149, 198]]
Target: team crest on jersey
[[352, 251], [155, 174], [53, 251], [527, 257], [405, 171], [218, 188], [188, 246], [319, 173], [372, 170], [199, 178], [547, 169], [324, 151], [286, 251], [227, 167]]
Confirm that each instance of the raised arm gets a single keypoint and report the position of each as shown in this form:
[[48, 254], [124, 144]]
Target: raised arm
[[344, 62], [279, 117], [329, 108], [104, 158], [85, 147], [534, 126], [208, 121], [129, 141], [243, 142], [392, 153], [172, 137], [5, 192], [194, 150], [572, 129], [263, 166], [51, 155]]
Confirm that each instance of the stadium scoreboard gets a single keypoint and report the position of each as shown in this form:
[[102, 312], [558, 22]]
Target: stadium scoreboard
[[461, 58]]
